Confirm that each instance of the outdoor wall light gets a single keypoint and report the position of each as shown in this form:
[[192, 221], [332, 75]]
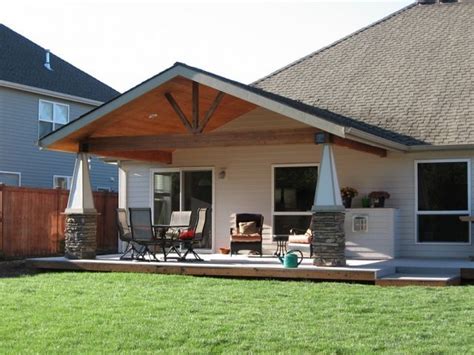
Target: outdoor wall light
[[152, 116], [222, 174]]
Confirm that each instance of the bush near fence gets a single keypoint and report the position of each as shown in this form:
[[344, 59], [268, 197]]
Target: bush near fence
[[32, 221]]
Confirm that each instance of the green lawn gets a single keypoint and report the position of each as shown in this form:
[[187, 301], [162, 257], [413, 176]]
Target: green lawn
[[100, 312]]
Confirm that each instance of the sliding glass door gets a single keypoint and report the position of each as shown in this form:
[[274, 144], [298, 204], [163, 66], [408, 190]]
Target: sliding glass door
[[183, 190]]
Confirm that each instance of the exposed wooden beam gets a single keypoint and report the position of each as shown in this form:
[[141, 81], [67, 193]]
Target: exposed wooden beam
[[195, 106], [359, 146], [150, 156], [179, 112], [211, 139], [210, 112]]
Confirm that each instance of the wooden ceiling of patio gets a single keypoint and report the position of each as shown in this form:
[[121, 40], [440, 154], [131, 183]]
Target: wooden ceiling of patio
[[179, 114]]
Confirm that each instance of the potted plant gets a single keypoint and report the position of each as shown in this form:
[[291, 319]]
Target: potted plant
[[365, 201], [378, 198], [347, 194]]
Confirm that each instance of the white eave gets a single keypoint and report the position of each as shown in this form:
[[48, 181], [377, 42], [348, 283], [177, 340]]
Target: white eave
[[50, 93]]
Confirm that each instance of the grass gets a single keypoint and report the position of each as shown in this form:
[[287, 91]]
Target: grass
[[140, 313]]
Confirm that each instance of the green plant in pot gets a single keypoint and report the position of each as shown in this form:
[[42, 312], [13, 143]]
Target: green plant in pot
[[365, 201], [378, 198], [347, 194]]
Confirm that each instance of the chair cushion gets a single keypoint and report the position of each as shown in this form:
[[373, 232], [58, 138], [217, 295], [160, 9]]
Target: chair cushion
[[301, 238], [244, 238], [186, 235], [248, 227]]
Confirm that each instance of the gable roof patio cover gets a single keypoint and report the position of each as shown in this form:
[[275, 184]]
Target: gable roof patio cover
[[169, 110]]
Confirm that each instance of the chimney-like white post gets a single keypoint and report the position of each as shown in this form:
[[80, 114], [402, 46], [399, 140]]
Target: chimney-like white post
[[47, 63]]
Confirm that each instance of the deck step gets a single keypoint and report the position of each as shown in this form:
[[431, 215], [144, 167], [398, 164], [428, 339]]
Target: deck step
[[420, 279]]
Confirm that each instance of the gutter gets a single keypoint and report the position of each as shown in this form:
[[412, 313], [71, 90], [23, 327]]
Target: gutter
[[45, 92]]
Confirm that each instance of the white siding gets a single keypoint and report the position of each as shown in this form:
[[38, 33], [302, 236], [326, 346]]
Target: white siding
[[247, 186]]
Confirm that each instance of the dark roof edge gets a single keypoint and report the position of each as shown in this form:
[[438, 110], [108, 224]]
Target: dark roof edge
[[312, 54]]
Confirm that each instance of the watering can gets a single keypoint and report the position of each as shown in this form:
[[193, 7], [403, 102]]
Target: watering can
[[291, 260]]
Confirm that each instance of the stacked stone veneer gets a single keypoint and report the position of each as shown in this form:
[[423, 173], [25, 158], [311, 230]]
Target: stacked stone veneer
[[80, 236], [329, 240]]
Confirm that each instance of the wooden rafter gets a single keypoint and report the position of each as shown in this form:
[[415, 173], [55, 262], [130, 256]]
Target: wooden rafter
[[179, 112], [195, 106], [210, 112], [151, 156], [361, 147]]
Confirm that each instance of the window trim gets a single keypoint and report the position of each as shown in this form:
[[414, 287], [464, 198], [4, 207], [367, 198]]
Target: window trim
[[444, 213], [68, 179], [13, 173], [272, 202], [53, 122]]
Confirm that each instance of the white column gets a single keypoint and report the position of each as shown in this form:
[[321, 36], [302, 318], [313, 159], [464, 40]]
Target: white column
[[80, 199], [328, 194], [122, 198]]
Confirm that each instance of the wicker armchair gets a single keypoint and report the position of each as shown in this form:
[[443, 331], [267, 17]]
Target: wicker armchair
[[246, 240]]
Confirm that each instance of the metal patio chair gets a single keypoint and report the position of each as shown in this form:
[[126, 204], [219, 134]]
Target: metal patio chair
[[194, 235], [143, 233], [179, 221], [125, 234]]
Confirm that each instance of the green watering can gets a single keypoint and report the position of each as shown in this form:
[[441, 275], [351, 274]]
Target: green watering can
[[291, 259]]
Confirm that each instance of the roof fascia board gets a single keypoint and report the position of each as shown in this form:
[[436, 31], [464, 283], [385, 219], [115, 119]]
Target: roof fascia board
[[204, 79], [259, 100], [371, 139], [50, 93]]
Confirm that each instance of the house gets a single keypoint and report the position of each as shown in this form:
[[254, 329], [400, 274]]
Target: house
[[388, 108], [40, 92]]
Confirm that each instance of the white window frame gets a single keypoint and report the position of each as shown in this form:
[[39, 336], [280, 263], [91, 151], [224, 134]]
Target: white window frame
[[272, 207], [68, 179], [181, 170], [13, 173], [53, 122], [103, 189], [456, 212]]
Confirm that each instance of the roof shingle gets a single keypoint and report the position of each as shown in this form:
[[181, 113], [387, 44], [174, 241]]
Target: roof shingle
[[22, 62], [408, 78]]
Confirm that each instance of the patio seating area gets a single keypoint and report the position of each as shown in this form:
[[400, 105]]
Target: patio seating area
[[394, 272]]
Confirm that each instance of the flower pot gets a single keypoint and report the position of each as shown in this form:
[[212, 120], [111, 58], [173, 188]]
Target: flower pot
[[379, 202], [347, 202]]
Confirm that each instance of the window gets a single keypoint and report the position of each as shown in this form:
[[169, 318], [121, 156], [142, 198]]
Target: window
[[443, 190], [51, 116], [293, 196], [10, 178], [62, 182], [360, 223]]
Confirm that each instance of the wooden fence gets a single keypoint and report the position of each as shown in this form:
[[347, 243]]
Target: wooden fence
[[32, 223]]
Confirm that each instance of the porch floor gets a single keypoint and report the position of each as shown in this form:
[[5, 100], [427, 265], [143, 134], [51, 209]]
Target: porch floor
[[394, 272]]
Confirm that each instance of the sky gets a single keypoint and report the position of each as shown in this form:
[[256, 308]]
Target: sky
[[124, 42]]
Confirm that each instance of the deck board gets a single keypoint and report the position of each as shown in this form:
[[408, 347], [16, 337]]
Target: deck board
[[379, 272]]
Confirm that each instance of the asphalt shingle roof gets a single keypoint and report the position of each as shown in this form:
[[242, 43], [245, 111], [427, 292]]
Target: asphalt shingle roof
[[408, 78], [22, 62]]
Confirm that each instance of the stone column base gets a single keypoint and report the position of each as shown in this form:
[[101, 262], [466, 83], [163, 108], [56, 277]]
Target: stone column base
[[329, 240], [81, 236]]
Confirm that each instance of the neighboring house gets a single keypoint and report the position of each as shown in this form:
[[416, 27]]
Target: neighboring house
[[394, 102], [40, 92]]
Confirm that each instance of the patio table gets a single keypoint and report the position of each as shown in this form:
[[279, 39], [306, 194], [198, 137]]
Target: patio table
[[281, 240], [161, 229]]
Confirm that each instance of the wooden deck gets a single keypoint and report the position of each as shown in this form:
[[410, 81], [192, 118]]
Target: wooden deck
[[396, 272]]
